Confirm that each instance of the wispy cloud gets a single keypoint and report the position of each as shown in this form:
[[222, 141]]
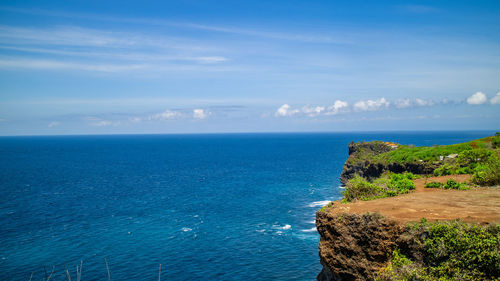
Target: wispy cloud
[[264, 33], [69, 47], [59, 65], [419, 9], [54, 124], [102, 123]]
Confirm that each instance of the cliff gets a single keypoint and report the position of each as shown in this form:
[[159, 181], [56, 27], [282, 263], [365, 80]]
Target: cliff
[[388, 239], [363, 161]]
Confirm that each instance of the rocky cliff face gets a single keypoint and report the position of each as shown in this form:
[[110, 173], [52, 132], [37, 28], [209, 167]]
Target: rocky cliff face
[[355, 247], [361, 162]]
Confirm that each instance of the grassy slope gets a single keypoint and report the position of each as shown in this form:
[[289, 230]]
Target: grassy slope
[[406, 153]]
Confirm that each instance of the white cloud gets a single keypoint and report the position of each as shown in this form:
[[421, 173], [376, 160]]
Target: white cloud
[[495, 99], [477, 98], [166, 115], [337, 107], [103, 123], [402, 103], [371, 105], [313, 111], [285, 110], [421, 102], [200, 113], [53, 124], [59, 65]]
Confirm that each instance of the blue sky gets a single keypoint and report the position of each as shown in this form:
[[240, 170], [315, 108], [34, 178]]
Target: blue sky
[[112, 67]]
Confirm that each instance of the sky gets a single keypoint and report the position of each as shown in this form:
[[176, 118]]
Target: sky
[[154, 67]]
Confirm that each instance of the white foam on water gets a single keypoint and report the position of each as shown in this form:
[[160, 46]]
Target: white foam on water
[[186, 229], [313, 229], [260, 230], [287, 226], [319, 203], [313, 221]]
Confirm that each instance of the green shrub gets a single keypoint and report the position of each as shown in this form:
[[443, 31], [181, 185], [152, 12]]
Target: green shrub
[[473, 157], [402, 182], [445, 170], [359, 188], [434, 185], [495, 141], [403, 185], [450, 251], [487, 174], [451, 184], [463, 170], [454, 249]]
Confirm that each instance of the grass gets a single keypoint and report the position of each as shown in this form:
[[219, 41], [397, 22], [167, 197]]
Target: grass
[[408, 153]]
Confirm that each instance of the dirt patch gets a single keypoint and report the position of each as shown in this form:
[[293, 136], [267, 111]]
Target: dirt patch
[[420, 183], [481, 205]]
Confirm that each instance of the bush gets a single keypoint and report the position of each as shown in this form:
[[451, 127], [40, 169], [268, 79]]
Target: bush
[[457, 249], [487, 174], [495, 141], [463, 170], [451, 184], [402, 185], [434, 185], [445, 170], [359, 188], [473, 157], [450, 251]]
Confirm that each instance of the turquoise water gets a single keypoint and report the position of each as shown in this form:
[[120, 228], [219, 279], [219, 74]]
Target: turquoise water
[[207, 207]]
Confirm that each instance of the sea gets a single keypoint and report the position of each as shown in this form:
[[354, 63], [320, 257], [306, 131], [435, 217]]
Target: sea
[[205, 207]]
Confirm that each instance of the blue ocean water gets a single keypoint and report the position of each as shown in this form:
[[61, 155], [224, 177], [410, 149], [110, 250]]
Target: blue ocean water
[[207, 207]]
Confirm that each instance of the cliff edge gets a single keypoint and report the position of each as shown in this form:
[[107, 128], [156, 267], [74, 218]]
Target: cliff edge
[[394, 238]]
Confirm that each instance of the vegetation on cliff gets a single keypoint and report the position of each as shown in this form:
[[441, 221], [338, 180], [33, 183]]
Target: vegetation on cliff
[[450, 184], [447, 251], [380, 169], [372, 247], [388, 185]]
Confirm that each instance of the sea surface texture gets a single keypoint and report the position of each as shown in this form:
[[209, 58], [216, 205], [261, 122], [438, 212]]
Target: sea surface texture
[[206, 207]]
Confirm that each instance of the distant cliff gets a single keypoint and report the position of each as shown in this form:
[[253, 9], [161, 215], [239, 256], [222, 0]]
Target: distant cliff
[[362, 160]]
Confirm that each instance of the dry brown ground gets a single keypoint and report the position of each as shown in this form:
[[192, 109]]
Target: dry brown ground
[[480, 205]]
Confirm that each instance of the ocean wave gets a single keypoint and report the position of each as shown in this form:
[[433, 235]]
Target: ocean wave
[[313, 229], [319, 203]]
